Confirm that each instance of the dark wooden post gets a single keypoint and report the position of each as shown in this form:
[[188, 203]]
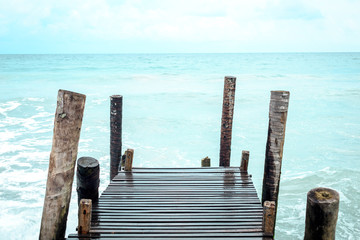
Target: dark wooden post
[[269, 217], [115, 134], [244, 161], [226, 121], [84, 216], [129, 155], [205, 162], [274, 147], [321, 214], [67, 125], [88, 172]]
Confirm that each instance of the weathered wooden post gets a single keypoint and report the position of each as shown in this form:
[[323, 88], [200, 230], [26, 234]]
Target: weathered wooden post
[[88, 173], [67, 125], [84, 216], [278, 109], [268, 217], [205, 162], [244, 161], [129, 155], [321, 214], [115, 133], [226, 121]]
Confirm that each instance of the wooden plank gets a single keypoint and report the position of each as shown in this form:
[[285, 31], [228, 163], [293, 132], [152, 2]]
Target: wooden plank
[[191, 203], [124, 228], [178, 231], [176, 235], [170, 238], [185, 169], [173, 224], [178, 211]]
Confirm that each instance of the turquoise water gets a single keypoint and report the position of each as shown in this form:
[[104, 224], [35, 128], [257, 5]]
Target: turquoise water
[[172, 111]]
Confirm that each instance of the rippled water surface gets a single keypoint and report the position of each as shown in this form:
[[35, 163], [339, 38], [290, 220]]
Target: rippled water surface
[[172, 111]]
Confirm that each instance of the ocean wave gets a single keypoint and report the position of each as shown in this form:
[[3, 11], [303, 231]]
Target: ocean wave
[[8, 106], [292, 201]]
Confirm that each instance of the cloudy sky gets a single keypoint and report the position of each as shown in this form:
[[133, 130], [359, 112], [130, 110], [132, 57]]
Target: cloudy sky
[[169, 26]]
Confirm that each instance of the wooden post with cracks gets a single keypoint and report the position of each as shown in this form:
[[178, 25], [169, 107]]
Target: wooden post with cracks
[[321, 214], [84, 216], [129, 155], [88, 179], [244, 161], [116, 103], [66, 134], [226, 121], [278, 109]]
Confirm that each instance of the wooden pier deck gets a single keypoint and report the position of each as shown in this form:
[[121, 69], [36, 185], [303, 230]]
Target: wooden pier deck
[[172, 203]]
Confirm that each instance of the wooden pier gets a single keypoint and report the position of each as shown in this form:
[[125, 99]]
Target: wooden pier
[[162, 203], [172, 203]]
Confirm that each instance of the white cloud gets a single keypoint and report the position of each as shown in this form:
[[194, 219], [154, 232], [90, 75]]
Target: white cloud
[[270, 24]]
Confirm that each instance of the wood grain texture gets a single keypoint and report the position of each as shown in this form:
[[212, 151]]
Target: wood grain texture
[[321, 213], [186, 203], [84, 216], [129, 155], [269, 217], [278, 109], [227, 120], [244, 161], [66, 134], [88, 178], [116, 105]]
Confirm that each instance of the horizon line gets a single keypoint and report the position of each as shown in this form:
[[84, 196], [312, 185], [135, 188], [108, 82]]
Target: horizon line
[[164, 53]]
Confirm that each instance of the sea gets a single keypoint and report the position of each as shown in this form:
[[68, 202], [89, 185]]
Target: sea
[[172, 107]]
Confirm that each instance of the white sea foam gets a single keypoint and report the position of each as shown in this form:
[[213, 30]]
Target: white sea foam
[[35, 99], [99, 101], [8, 106], [172, 112], [11, 147], [7, 135]]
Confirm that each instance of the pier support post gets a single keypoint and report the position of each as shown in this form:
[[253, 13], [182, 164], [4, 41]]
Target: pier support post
[[226, 121], [244, 161], [88, 173], [269, 217], [84, 216], [205, 162], [67, 125], [321, 214], [274, 147], [116, 103], [129, 155]]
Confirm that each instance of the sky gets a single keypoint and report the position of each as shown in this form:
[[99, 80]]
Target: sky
[[186, 26]]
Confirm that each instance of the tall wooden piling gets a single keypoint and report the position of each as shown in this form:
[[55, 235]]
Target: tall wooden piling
[[88, 179], [244, 161], [321, 214], [116, 103], [67, 125], [226, 121], [278, 109]]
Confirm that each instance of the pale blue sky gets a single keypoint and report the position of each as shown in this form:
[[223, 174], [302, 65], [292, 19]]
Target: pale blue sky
[[161, 26]]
